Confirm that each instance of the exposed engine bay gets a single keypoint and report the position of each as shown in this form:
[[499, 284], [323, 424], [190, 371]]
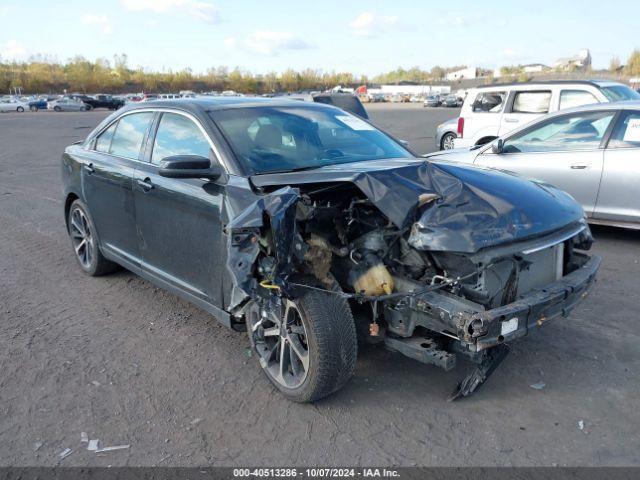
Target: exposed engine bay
[[405, 289]]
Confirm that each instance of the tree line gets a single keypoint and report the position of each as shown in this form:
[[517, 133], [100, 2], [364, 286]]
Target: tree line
[[41, 74]]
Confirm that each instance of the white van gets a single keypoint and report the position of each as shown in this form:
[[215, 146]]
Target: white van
[[494, 110]]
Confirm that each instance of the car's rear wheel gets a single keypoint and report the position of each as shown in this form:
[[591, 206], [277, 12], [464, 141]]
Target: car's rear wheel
[[85, 241], [20, 109], [308, 348], [447, 142], [33, 108]]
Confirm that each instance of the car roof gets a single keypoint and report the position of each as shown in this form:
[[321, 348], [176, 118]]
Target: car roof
[[593, 83], [221, 103]]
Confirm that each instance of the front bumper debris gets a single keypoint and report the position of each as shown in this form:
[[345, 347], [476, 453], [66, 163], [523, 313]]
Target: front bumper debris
[[537, 307]]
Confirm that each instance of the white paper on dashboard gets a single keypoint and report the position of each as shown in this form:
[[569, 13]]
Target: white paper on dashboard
[[354, 122], [632, 133]]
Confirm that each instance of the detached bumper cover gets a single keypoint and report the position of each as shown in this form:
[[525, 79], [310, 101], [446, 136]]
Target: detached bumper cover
[[537, 307]]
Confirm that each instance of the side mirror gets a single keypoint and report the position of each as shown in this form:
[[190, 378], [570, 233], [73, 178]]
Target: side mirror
[[497, 146], [190, 166]]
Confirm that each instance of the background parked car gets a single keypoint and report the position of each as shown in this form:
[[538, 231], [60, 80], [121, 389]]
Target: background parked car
[[591, 152], [492, 111], [68, 105], [36, 104], [99, 101], [432, 101], [452, 101], [446, 134], [13, 105]]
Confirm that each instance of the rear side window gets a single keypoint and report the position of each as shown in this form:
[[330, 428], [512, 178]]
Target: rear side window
[[129, 135], [178, 135], [575, 98], [531, 102], [626, 134], [489, 102], [103, 143]]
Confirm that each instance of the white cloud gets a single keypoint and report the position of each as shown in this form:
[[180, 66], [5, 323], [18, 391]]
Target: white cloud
[[98, 20], [12, 50], [202, 10], [230, 41], [267, 42], [369, 24]]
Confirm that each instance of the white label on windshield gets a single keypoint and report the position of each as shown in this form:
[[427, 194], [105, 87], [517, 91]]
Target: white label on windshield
[[354, 122], [632, 133]]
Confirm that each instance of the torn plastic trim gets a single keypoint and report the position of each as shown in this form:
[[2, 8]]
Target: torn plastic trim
[[243, 234]]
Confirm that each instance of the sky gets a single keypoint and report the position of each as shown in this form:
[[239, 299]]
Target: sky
[[362, 37]]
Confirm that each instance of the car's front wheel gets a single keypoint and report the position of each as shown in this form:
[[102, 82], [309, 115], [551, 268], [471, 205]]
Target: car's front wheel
[[85, 241], [20, 109], [57, 109], [447, 142], [308, 348]]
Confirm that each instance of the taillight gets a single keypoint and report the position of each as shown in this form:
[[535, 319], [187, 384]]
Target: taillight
[[460, 127]]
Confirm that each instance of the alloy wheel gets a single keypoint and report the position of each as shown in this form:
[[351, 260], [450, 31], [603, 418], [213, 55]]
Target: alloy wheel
[[448, 142], [83, 241], [281, 344]]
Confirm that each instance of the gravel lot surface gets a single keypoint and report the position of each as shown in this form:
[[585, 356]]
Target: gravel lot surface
[[129, 364]]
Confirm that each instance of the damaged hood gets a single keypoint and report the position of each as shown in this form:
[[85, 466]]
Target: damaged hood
[[469, 208]]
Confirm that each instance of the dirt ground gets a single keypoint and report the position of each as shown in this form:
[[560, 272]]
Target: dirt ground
[[130, 364]]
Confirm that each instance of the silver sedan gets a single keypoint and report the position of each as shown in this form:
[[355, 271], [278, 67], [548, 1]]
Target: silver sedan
[[67, 104], [591, 152]]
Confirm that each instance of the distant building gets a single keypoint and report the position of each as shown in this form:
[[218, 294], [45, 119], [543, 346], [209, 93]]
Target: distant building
[[581, 61], [534, 68], [465, 73]]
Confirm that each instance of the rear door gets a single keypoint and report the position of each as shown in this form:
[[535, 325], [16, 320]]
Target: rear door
[[565, 151], [619, 199], [179, 220], [107, 177], [523, 107]]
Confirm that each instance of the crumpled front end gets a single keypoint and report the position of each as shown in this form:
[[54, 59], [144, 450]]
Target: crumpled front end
[[437, 263]]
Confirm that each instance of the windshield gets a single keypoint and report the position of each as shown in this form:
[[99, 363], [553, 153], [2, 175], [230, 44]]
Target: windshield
[[277, 139], [620, 93]]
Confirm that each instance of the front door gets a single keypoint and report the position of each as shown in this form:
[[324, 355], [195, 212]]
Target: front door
[[107, 176], [619, 200], [564, 151], [179, 220]]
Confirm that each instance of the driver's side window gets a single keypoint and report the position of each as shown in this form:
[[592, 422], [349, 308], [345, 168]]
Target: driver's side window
[[579, 131]]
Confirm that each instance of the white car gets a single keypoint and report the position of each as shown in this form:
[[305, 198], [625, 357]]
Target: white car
[[13, 105], [495, 110]]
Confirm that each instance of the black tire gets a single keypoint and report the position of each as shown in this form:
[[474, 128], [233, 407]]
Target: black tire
[[20, 109], [33, 108], [446, 143], [81, 228], [57, 109], [332, 346]]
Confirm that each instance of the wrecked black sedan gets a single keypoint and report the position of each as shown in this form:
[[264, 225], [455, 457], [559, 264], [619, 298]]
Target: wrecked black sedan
[[311, 229]]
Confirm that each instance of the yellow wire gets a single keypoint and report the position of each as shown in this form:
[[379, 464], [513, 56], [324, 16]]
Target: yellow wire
[[267, 284]]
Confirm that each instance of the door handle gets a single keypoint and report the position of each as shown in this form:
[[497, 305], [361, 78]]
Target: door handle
[[579, 167], [89, 168], [145, 184], [511, 120]]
